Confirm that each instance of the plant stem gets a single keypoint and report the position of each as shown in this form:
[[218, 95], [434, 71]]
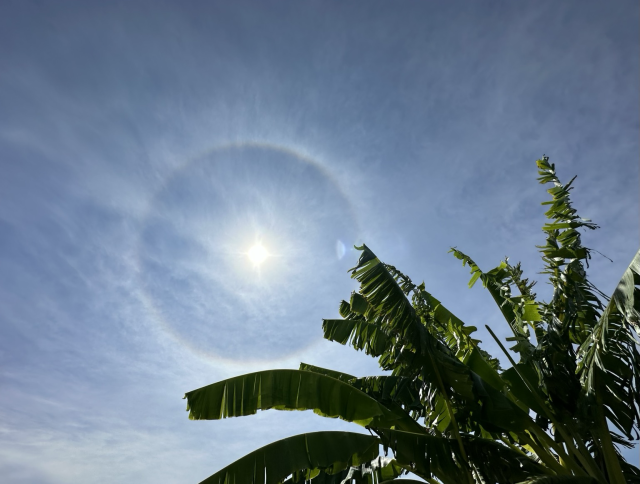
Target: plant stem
[[454, 424], [586, 460], [545, 456], [610, 458]]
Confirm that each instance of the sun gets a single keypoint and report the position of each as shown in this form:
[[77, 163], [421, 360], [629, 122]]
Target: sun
[[257, 254]]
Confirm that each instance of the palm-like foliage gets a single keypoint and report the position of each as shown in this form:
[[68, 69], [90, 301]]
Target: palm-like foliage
[[446, 410]]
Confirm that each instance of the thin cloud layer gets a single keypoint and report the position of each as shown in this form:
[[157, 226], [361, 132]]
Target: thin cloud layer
[[123, 232]]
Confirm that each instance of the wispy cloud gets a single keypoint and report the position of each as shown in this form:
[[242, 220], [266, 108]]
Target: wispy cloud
[[125, 281]]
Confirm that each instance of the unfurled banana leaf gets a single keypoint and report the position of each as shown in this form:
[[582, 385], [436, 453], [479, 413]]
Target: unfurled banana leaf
[[517, 311], [430, 456], [397, 394], [612, 347], [325, 371], [495, 462], [477, 363], [417, 350], [387, 304], [521, 392], [626, 296], [427, 456], [386, 389], [610, 369], [389, 308], [287, 390], [450, 328], [330, 451], [358, 333]]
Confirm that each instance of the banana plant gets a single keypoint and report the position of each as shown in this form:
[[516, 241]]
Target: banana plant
[[446, 411]]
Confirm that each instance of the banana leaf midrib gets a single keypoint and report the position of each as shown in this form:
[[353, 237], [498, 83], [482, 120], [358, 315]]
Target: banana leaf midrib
[[307, 390]]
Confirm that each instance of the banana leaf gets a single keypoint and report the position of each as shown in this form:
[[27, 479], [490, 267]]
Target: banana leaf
[[287, 390], [428, 456], [613, 348], [330, 451]]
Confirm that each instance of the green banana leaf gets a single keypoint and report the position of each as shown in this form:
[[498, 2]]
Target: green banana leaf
[[415, 350], [330, 451], [422, 353], [287, 390], [428, 456], [387, 303], [613, 349], [516, 311], [375, 472], [386, 389], [626, 296], [358, 333], [452, 330], [325, 371], [398, 394]]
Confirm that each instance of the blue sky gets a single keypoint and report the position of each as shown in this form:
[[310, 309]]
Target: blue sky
[[146, 146]]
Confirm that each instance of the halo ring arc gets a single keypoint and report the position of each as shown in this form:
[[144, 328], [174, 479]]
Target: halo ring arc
[[148, 300]]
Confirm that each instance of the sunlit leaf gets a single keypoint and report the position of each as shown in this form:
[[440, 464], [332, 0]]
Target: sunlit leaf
[[286, 390], [271, 464]]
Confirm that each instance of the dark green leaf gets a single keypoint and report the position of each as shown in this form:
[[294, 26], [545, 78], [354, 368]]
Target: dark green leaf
[[286, 390], [271, 464]]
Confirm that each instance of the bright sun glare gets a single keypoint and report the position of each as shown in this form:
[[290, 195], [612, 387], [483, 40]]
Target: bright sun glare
[[257, 254]]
